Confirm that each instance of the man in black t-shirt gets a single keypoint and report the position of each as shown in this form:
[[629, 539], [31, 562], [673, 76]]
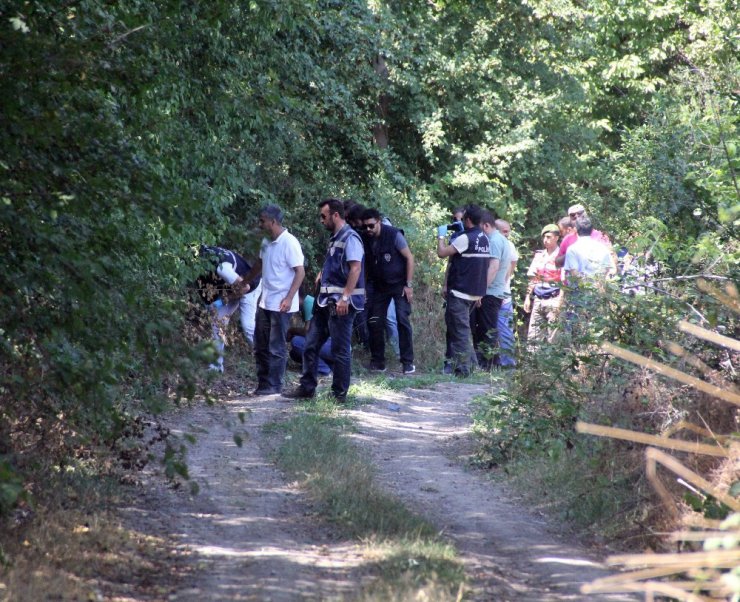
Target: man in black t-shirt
[[389, 267]]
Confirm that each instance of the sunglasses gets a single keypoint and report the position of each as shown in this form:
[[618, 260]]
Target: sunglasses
[[369, 226], [576, 214]]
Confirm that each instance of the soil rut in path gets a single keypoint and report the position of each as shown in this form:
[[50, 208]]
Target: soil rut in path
[[249, 535], [418, 440]]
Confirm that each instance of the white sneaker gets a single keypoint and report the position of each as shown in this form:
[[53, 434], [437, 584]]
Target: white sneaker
[[216, 367], [409, 368]]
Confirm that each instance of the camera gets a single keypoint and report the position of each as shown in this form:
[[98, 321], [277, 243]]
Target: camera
[[332, 308], [455, 227]]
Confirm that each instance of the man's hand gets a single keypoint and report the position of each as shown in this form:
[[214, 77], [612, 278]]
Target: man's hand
[[408, 292], [285, 305], [342, 308], [527, 305], [238, 289]]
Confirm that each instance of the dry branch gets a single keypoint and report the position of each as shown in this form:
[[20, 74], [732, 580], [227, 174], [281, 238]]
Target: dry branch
[[695, 362], [655, 455], [729, 299], [692, 447], [680, 561], [708, 335], [650, 587], [698, 384]]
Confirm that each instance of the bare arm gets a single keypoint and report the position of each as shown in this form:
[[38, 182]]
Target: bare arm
[[493, 267], [242, 287], [355, 267], [299, 272], [512, 268], [444, 250], [407, 290]]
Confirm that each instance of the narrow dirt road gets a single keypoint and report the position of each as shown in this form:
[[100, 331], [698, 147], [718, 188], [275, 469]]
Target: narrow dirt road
[[250, 535]]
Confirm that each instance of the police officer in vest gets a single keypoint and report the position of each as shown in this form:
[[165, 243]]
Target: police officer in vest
[[225, 289], [341, 295], [390, 269], [467, 280]]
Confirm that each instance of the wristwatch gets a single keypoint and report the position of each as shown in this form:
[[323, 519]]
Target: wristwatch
[[409, 285], [345, 298]]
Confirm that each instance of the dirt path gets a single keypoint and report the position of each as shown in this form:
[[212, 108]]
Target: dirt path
[[419, 440], [249, 535]]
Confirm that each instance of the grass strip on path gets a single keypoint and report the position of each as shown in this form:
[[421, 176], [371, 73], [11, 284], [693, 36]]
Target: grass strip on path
[[403, 549]]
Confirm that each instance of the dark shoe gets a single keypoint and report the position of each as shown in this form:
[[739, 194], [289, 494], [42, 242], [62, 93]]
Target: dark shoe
[[340, 399], [447, 368], [299, 393], [409, 368], [265, 391], [373, 367]]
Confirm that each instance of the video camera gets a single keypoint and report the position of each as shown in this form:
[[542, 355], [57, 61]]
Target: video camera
[[455, 227]]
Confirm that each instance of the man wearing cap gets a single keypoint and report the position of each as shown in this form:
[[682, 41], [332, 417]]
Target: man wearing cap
[[544, 296], [574, 212]]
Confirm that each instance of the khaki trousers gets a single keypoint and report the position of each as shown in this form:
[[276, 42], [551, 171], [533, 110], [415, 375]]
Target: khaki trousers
[[543, 321]]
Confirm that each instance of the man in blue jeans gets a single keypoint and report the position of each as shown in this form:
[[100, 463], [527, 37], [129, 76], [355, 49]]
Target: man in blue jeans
[[281, 266], [341, 295], [467, 279], [484, 319], [390, 269], [297, 337]]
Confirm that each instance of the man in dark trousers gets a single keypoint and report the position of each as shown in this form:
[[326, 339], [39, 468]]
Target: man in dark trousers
[[467, 279], [341, 295], [390, 268]]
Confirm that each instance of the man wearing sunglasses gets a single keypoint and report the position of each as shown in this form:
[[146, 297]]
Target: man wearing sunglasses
[[574, 212], [390, 270], [341, 295]]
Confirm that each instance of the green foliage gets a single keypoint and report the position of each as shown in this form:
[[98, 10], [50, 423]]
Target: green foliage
[[135, 131], [11, 488], [537, 412], [707, 505]]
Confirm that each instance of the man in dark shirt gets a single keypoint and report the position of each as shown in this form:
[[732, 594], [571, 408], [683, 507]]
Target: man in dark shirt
[[467, 279], [390, 268]]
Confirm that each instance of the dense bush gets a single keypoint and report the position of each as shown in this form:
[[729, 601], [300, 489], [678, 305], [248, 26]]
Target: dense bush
[[134, 131]]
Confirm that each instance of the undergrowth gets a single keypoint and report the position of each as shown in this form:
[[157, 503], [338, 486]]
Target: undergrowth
[[598, 486], [70, 545]]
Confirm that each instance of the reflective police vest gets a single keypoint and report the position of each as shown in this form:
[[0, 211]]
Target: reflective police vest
[[336, 269], [469, 269], [211, 286]]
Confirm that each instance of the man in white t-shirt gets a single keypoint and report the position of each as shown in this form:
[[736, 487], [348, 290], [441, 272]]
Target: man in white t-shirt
[[588, 260], [588, 257], [281, 266]]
